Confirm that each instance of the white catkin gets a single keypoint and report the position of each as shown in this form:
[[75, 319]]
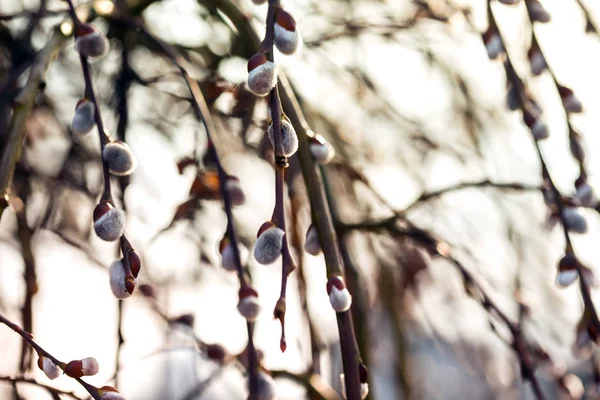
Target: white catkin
[[249, 307], [268, 245], [117, 280], [111, 225], [287, 42], [83, 121], [289, 138], [262, 79], [119, 157], [94, 44]]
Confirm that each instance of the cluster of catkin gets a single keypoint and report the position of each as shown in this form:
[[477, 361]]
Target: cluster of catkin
[[562, 208]]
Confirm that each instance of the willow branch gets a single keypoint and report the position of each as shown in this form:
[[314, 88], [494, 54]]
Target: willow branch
[[24, 103]]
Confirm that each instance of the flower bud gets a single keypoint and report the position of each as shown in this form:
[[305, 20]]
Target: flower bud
[[109, 222], [538, 128], [585, 193], [228, 261], [248, 304], [119, 157], [513, 101], [339, 296], [78, 368], [289, 139], [509, 2], [216, 352], [265, 387], [109, 393], [567, 270], [269, 243], [536, 60], [134, 263], [574, 220], [84, 118], [90, 42], [234, 189], [321, 150], [537, 12], [121, 284], [147, 291], [576, 146], [262, 74], [312, 245], [286, 36], [51, 370], [493, 43], [570, 103]]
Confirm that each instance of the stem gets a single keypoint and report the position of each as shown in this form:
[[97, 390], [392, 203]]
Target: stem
[[202, 114]]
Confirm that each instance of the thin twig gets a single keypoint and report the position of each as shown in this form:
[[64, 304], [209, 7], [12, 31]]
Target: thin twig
[[30, 381], [28, 337]]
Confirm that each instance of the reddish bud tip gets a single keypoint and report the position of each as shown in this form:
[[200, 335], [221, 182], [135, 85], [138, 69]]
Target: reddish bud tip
[[130, 284], [285, 20], [101, 209], [74, 369], [147, 290], [256, 61], [264, 227], [134, 263], [84, 29]]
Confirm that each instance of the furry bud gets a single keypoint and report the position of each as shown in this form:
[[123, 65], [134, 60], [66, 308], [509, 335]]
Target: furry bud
[[513, 101], [269, 244], [234, 189], [321, 150], [576, 146], [312, 245], [109, 222], [78, 368], [585, 194], [536, 60], [262, 74], [570, 103], [228, 257], [567, 270], [493, 43], [119, 157], [51, 370], [265, 387], [286, 36], [339, 296], [84, 118], [109, 393], [90, 42], [248, 304], [289, 139], [537, 12], [538, 128], [574, 220], [121, 284]]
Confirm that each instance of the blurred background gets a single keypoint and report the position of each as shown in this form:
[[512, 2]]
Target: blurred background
[[417, 112]]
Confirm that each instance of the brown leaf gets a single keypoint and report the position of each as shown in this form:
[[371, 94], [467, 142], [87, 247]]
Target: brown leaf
[[206, 186]]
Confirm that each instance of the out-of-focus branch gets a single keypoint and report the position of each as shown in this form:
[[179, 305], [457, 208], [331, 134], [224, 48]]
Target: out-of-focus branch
[[24, 103], [29, 381]]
